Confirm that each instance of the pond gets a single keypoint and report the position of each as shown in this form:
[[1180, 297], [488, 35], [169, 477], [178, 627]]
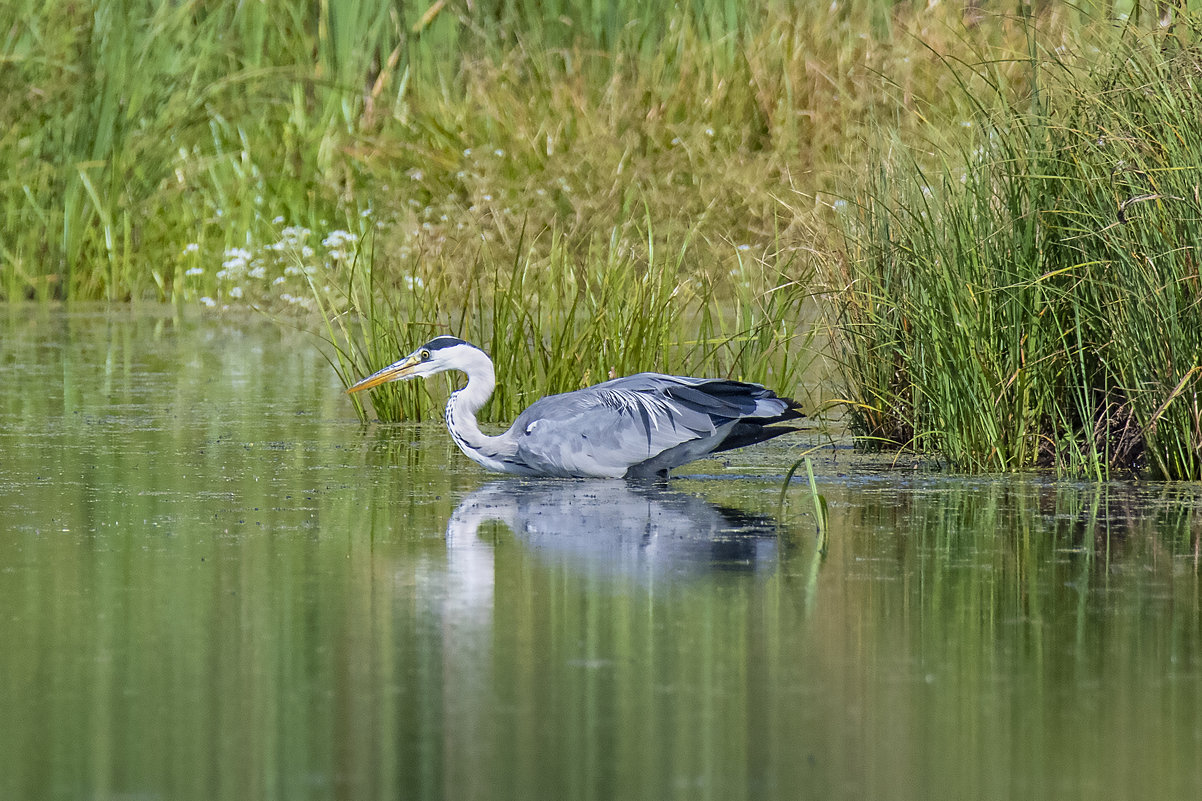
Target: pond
[[216, 584]]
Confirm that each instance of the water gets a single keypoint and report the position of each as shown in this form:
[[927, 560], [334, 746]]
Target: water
[[214, 584]]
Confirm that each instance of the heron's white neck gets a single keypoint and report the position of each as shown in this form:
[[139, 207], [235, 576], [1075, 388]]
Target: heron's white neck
[[462, 408]]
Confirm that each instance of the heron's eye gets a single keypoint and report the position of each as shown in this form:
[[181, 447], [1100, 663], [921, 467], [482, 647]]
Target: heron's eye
[[425, 354]]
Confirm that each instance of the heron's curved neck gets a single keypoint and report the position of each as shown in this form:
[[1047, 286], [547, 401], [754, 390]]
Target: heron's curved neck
[[462, 408]]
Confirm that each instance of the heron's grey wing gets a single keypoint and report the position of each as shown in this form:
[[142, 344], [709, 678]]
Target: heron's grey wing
[[607, 429]]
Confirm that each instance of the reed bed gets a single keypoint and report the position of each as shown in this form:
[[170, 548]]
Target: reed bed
[[1032, 298]]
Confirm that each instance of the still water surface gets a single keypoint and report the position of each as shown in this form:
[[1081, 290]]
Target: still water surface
[[214, 584]]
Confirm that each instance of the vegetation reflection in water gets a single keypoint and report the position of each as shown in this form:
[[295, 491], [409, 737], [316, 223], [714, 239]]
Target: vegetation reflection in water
[[215, 584]]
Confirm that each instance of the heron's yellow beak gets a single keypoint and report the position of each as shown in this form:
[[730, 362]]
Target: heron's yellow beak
[[393, 372]]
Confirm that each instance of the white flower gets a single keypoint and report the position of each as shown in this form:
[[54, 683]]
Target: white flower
[[338, 238], [235, 259], [191, 247], [195, 271], [299, 301], [206, 300], [236, 292]]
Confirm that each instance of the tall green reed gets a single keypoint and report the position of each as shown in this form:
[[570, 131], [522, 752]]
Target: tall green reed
[[1028, 298]]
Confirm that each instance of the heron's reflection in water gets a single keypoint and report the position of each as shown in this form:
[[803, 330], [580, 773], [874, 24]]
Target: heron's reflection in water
[[630, 534], [617, 528]]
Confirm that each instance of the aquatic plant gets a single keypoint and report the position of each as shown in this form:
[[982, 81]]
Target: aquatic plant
[[1031, 298]]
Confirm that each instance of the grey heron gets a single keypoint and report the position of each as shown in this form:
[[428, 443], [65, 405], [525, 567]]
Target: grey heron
[[640, 426]]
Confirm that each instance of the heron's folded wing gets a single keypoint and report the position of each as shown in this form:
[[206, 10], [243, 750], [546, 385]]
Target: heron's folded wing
[[604, 430], [717, 397]]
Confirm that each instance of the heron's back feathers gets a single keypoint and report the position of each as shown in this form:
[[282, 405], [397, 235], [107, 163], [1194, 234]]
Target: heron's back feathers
[[645, 425]]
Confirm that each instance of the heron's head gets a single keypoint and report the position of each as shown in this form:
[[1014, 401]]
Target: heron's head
[[436, 356]]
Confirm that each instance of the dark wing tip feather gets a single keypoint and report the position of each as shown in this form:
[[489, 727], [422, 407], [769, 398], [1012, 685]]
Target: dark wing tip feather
[[731, 399], [792, 412], [704, 399], [760, 429]]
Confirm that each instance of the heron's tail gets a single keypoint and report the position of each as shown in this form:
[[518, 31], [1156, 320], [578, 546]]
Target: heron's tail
[[751, 430]]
